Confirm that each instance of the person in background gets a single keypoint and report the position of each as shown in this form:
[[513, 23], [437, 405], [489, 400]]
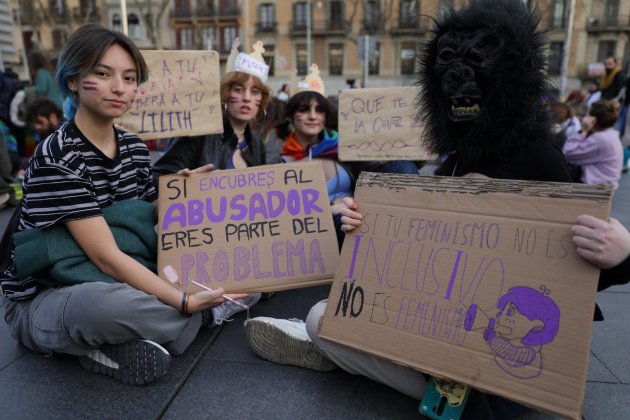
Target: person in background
[[244, 97], [122, 320], [594, 94], [566, 124], [613, 79], [267, 130], [597, 148], [310, 133], [42, 77], [283, 95], [577, 102], [43, 116]]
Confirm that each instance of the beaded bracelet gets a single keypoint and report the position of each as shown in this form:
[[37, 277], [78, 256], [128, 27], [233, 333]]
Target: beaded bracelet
[[183, 308]]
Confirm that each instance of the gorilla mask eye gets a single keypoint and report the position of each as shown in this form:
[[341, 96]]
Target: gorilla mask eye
[[446, 55], [475, 58]]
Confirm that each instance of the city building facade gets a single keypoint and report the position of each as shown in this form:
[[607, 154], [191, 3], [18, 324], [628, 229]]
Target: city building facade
[[335, 34]]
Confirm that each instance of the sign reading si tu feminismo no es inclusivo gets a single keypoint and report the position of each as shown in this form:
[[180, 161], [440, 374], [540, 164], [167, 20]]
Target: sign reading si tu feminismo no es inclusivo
[[476, 280]]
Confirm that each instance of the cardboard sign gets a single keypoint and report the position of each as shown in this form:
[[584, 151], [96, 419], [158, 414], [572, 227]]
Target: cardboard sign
[[258, 229], [380, 124], [476, 280], [181, 97]]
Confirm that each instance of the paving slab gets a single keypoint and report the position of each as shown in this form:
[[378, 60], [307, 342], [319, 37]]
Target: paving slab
[[58, 387]]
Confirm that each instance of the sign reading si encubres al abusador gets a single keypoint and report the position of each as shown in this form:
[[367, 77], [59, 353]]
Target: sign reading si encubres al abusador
[[258, 229]]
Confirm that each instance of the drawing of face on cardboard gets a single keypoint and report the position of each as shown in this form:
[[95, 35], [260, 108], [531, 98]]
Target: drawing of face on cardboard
[[512, 324], [526, 320]]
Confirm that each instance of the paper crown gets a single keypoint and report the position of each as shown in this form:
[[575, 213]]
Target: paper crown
[[253, 63], [312, 82]]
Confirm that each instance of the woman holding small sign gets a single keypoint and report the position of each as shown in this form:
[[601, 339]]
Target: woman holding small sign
[[120, 318], [314, 120], [244, 96]]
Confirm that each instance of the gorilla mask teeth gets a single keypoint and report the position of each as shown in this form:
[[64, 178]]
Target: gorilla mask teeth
[[464, 112]]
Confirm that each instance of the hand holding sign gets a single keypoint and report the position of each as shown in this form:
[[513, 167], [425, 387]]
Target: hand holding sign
[[201, 169], [350, 218]]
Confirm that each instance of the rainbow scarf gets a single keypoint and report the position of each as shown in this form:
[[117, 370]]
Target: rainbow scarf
[[327, 148]]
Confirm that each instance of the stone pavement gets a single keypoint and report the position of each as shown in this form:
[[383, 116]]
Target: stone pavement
[[219, 377]]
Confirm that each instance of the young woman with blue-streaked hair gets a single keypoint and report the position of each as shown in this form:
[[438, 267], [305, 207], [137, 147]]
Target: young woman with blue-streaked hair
[[76, 266]]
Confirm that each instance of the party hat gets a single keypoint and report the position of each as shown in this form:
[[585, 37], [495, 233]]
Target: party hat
[[253, 63], [312, 82]]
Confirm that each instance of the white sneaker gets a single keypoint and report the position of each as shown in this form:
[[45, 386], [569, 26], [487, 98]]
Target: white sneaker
[[285, 341], [225, 311]]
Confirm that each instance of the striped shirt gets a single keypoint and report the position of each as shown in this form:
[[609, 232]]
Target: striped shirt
[[68, 178]]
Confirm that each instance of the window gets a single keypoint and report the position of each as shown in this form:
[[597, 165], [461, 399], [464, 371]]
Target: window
[[59, 38], [185, 39], [267, 16], [611, 12], [133, 23], [228, 7], [375, 60], [208, 38], [407, 57], [408, 13], [57, 7], [558, 14], [27, 39], [301, 58], [336, 15], [445, 5], [269, 57], [300, 13], [335, 59], [87, 7], [116, 23], [228, 33], [182, 7], [371, 14], [606, 49], [555, 57]]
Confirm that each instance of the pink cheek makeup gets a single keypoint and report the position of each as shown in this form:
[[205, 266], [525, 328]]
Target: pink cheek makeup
[[90, 85]]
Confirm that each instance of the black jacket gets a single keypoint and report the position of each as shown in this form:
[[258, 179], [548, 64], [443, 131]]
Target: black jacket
[[193, 152]]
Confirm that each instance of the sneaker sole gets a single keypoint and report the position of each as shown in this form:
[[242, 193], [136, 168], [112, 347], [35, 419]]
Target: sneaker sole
[[267, 340], [140, 362]]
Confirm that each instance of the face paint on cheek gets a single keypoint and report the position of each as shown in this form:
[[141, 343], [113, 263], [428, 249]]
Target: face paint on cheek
[[90, 85], [258, 102], [233, 99]]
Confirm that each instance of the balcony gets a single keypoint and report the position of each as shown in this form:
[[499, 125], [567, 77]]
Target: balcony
[[266, 27], [321, 27], [406, 25], [608, 23], [183, 14], [29, 14], [86, 15], [58, 16], [554, 23], [204, 12], [229, 12]]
